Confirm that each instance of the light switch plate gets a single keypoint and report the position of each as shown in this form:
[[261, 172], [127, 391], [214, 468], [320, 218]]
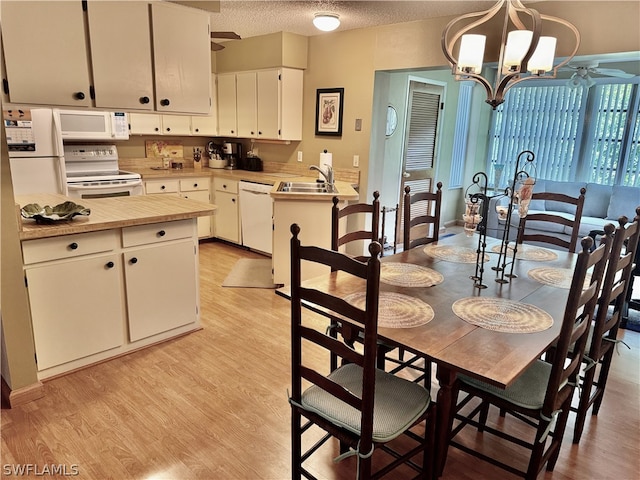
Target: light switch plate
[[299, 156], [358, 124]]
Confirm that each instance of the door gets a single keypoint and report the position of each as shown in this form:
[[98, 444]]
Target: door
[[113, 87], [45, 53], [424, 105]]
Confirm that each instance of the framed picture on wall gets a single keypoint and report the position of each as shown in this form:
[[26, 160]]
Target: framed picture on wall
[[329, 103]]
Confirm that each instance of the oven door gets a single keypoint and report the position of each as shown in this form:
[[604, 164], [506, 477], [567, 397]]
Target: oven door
[[78, 190]]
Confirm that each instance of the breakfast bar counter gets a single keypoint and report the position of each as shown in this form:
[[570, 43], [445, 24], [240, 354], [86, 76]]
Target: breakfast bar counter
[[108, 213], [122, 278]]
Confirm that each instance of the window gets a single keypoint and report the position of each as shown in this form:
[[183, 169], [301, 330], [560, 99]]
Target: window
[[591, 135]]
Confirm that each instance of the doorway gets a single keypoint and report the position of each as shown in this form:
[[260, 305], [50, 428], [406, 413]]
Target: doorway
[[419, 158]]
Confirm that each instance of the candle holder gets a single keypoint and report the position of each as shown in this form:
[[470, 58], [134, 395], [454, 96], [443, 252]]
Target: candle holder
[[519, 194], [476, 214]]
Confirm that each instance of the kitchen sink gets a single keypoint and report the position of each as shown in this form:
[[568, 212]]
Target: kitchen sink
[[305, 187]]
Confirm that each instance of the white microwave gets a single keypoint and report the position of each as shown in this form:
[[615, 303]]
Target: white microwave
[[91, 125]]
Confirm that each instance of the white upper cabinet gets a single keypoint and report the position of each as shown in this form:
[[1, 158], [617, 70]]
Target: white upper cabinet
[[53, 50], [121, 57], [182, 59], [261, 104], [45, 53], [227, 113], [247, 104]]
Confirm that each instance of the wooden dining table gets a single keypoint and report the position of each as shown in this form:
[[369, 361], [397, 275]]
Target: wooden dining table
[[453, 344]]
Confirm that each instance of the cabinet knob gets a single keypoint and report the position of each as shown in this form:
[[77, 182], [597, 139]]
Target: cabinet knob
[[78, 96], [252, 132], [259, 132], [144, 100], [156, 129], [110, 265], [162, 187], [168, 129], [165, 102], [224, 186], [195, 185], [133, 260], [162, 233], [73, 246], [233, 200], [233, 131], [197, 130]]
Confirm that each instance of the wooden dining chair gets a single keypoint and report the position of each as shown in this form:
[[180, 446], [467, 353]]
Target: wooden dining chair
[[364, 408], [554, 222], [352, 211], [611, 305], [541, 396], [421, 214]]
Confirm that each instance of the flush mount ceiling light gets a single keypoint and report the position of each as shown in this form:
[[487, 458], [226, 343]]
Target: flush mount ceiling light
[[524, 53], [327, 22]]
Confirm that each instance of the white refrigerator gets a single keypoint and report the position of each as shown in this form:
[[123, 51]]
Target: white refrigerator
[[35, 151]]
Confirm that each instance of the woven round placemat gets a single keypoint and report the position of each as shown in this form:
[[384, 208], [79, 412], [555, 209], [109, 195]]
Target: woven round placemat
[[409, 275], [452, 253], [526, 252], [502, 315], [556, 277], [396, 310]]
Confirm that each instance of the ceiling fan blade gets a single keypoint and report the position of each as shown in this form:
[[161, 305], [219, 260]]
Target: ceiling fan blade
[[216, 47], [613, 72], [226, 35]]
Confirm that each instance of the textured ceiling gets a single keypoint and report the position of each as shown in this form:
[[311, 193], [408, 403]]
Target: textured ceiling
[[261, 17], [253, 18]]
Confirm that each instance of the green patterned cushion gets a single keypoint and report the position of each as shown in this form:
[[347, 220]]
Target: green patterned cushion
[[528, 391], [398, 402]]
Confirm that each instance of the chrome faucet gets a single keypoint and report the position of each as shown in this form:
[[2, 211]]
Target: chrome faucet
[[328, 176]]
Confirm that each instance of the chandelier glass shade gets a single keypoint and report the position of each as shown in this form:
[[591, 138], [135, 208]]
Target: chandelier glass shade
[[524, 53], [327, 22]]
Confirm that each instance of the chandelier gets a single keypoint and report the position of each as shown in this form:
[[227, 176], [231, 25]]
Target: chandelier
[[524, 53]]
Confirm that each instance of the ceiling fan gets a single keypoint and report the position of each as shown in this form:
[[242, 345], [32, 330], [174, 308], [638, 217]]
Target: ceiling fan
[[223, 35], [582, 71]]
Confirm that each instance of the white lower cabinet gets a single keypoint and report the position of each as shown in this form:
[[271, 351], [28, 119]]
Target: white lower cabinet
[[227, 217], [76, 308], [74, 284], [194, 188], [160, 284], [97, 295]]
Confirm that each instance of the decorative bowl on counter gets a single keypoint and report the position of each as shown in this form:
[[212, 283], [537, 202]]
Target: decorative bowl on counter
[[48, 214]]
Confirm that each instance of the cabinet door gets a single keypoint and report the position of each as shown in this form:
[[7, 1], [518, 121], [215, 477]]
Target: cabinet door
[[269, 100], [45, 53], [247, 104], [176, 125], [76, 308], [207, 125], [145, 124], [182, 59], [125, 79], [161, 288], [204, 223], [227, 116], [227, 218]]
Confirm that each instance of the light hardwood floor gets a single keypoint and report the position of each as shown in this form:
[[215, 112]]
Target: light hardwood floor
[[213, 405]]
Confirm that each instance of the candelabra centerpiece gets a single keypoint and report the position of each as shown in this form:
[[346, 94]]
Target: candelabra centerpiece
[[477, 200]]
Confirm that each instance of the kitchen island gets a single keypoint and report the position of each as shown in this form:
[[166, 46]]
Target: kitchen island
[[123, 278]]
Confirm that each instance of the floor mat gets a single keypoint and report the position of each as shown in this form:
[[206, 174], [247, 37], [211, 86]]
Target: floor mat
[[250, 273]]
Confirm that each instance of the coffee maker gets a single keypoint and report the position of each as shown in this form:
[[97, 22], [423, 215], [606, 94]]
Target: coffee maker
[[232, 152]]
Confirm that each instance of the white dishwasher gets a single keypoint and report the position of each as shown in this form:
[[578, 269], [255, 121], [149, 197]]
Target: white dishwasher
[[256, 216]]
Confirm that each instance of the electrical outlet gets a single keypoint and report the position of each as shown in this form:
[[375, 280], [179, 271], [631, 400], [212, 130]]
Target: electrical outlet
[[356, 160], [300, 156]]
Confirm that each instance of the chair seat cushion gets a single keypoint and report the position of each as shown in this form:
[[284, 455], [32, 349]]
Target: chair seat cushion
[[528, 391], [398, 402]]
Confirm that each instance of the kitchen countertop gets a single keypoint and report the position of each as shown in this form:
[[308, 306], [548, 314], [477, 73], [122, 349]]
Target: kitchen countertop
[[109, 213], [345, 191]]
